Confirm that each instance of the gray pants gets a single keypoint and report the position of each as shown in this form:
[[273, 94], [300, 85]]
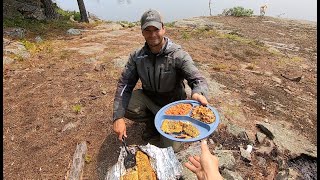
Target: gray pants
[[142, 109]]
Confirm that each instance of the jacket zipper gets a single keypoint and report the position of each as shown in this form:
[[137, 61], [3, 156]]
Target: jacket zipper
[[154, 73], [159, 78], [149, 77]]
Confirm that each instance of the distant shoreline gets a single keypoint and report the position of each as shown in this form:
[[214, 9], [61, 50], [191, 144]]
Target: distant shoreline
[[300, 20]]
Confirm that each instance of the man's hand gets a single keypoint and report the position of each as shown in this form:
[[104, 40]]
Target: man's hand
[[206, 167], [198, 97], [119, 127]]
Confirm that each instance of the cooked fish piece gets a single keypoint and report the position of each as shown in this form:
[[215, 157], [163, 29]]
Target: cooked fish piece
[[203, 114], [183, 136], [145, 170], [171, 126], [186, 129], [190, 129], [132, 175]]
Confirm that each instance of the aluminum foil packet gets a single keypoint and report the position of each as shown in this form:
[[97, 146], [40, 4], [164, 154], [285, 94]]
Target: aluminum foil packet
[[163, 161]]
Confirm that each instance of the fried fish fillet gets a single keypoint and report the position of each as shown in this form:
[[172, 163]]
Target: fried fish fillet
[[145, 170], [186, 128], [183, 136], [190, 130], [171, 126], [132, 175]]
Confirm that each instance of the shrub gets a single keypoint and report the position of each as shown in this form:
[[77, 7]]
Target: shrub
[[127, 24], [77, 108], [169, 24], [66, 14], [237, 11], [185, 35]]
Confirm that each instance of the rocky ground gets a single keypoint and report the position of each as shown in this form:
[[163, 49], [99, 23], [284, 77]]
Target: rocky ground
[[261, 71]]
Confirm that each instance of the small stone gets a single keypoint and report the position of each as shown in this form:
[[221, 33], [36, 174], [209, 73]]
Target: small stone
[[261, 161], [69, 126], [74, 31], [293, 174], [268, 73], [282, 34], [251, 93], [227, 174], [38, 39], [257, 72], [211, 141], [276, 79], [249, 148], [245, 154], [7, 60], [260, 137]]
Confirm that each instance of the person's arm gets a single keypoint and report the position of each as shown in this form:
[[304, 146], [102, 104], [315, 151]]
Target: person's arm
[[195, 79], [126, 83], [119, 127], [206, 167]]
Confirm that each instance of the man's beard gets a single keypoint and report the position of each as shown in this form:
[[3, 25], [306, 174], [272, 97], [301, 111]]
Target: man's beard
[[155, 44]]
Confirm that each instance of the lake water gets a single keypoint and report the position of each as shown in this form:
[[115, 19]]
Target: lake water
[[172, 10]]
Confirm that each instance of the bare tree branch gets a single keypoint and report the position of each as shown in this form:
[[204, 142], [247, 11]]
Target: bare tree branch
[[210, 7]]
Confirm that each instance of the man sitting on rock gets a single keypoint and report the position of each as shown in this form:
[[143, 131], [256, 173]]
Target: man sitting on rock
[[161, 65]]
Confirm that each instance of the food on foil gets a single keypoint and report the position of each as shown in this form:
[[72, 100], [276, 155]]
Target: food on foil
[[203, 114], [179, 109], [131, 175], [163, 161], [183, 130], [143, 169]]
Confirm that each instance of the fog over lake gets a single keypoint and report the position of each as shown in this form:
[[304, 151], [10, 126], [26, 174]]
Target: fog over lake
[[172, 10]]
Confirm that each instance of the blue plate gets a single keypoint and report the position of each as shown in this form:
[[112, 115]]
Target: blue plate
[[204, 128]]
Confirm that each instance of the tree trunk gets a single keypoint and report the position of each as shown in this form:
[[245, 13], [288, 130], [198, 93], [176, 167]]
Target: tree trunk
[[83, 12], [210, 7], [49, 9]]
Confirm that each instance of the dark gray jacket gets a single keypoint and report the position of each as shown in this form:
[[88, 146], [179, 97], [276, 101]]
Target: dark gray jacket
[[161, 75]]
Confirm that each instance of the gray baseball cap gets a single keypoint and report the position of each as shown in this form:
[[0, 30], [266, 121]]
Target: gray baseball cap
[[151, 18]]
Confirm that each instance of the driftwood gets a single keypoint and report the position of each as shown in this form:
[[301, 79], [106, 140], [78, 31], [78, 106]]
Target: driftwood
[[78, 162]]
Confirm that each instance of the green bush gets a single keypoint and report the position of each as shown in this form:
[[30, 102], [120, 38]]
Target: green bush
[[66, 14], [169, 24], [127, 23], [77, 108], [237, 11], [185, 35]]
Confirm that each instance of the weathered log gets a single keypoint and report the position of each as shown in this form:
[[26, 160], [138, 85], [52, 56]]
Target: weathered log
[[78, 162]]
